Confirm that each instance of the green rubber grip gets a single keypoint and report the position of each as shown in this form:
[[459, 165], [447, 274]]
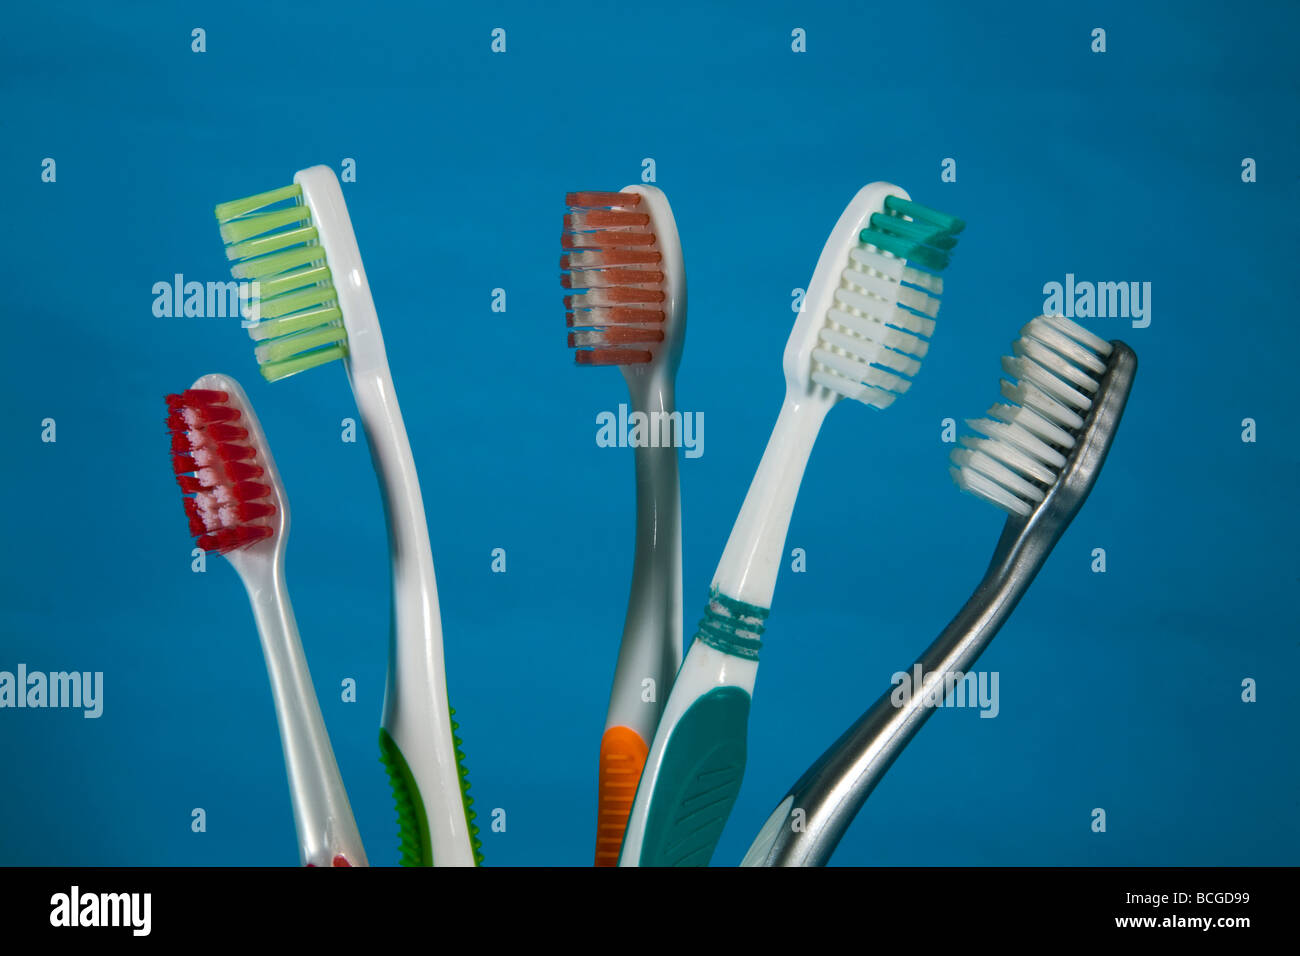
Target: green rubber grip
[[698, 781], [412, 820]]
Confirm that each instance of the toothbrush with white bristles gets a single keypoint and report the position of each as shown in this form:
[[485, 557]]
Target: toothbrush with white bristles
[[237, 506], [867, 316], [1037, 459]]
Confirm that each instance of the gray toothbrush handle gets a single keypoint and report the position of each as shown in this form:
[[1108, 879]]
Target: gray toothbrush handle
[[806, 827]]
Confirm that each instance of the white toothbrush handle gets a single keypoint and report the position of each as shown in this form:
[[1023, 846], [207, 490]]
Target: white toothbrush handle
[[755, 549], [321, 812], [416, 717], [693, 772]]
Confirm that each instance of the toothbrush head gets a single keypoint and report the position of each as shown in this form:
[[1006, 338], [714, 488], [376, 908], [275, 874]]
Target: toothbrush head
[[1067, 389], [869, 310], [232, 492], [623, 264], [273, 242]]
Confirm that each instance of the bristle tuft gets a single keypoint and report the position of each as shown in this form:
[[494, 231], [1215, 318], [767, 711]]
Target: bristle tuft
[[1018, 450], [299, 325], [219, 471], [611, 267]]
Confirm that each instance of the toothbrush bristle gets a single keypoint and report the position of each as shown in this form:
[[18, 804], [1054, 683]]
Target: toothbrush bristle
[[218, 469], [877, 329], [299, 324], [611, 264], [1019, 449]]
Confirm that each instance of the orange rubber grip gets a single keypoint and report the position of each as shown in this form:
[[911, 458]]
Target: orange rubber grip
[[622, 758]]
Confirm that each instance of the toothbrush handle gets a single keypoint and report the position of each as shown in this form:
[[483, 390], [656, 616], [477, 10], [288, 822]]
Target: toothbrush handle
[[418, 743], [806, 827], [650, 650], [694, 769], [322, 815]]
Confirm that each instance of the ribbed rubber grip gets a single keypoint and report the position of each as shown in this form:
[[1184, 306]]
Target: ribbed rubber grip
[[622, 758]]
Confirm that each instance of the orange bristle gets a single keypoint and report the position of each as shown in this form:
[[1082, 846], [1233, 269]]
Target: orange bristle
[[591, 200], [591, 318], [618, 292]]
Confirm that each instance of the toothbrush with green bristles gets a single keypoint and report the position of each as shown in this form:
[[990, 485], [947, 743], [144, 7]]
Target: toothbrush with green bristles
[[312, 306]]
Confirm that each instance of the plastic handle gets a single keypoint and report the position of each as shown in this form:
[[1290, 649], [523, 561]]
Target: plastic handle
[[698, 781], [415, 842], [321, 812]]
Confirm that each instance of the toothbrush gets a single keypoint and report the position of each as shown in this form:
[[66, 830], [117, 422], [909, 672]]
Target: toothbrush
[[867, 316], [1038, 460], [623, 263], [237, 507], [313, 306]]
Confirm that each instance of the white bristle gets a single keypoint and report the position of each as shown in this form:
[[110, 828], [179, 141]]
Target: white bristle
[[874, 335], [1019, 449]]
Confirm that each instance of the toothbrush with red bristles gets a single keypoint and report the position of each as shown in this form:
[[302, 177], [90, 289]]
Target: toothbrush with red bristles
[[237, 507]]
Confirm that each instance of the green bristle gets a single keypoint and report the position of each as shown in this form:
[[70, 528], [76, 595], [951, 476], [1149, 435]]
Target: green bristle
[[300, 324], [926, 240], [262, 222], [905, 207], [275, 371], [242, 207], [277, 350], [272, 328], [272, 243], [282, 305], [279, 262], [289, 281]]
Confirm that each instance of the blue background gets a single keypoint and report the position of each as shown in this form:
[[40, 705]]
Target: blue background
[[1118, 690]]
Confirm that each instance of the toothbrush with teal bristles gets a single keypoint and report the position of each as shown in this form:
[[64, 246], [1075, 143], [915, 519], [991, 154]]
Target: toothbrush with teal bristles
[[868, 314], [313, 307]]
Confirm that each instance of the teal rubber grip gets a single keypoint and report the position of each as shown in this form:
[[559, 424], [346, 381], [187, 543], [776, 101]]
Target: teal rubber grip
[[699, 779]]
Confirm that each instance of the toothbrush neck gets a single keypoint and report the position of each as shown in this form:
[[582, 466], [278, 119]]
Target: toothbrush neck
[[754, 552]]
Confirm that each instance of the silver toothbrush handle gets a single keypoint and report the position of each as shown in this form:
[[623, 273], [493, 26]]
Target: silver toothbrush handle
[[807, 826]]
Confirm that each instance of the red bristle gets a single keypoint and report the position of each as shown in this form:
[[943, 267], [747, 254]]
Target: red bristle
[[597, 200], [181, 443], [233, 452], [181, 464], [249, 490], [189, 484], [242, 471], [611, 357], [204, 396], [228, 539], [217, 413], [221, 431], [605, 219], [176, 421], [252, 510]]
